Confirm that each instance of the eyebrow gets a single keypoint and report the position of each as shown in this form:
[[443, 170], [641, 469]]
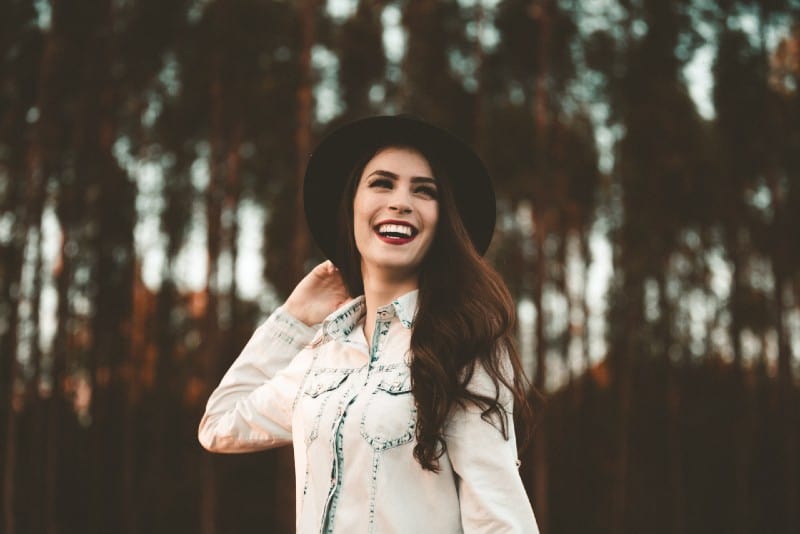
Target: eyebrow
[[394, 176]]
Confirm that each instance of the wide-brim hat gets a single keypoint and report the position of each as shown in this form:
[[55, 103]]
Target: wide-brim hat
[[334, 159]]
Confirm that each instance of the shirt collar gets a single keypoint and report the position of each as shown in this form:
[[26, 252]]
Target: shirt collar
[[342, 321], [405, 307]]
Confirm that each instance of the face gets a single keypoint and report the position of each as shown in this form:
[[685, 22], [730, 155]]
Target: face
[[395, 211]]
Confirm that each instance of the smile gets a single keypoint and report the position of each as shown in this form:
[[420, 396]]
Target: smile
[[396, 232]]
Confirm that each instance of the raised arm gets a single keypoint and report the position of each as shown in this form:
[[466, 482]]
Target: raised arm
[[251, 409]]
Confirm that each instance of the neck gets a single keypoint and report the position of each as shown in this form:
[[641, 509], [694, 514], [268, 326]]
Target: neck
[[381, 288]]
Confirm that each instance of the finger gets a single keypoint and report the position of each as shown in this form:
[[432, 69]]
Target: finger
[[321, 269]]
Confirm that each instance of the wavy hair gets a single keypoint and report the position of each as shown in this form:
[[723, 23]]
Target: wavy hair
[[465, 320]]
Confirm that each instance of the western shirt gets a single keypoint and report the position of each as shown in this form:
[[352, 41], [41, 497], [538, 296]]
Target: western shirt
[[348, 410]]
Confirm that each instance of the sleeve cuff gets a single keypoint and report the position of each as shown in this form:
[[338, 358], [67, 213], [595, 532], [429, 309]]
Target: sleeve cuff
[[289, 329]]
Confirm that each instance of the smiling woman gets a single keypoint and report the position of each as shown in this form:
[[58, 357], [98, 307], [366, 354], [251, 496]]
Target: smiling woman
[[391, 368]]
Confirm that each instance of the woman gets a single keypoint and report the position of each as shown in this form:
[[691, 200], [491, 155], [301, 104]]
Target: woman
[[398, 402]]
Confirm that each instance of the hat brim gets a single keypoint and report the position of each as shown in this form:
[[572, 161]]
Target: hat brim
[[337, 154]]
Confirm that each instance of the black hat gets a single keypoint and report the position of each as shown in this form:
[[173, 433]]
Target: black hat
[[337, 154]]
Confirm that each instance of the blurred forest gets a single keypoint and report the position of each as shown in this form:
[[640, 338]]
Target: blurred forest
[[646, 155]]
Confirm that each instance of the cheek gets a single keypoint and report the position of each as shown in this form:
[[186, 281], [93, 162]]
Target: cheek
[[360, 234], [432, 217], [361, 218]]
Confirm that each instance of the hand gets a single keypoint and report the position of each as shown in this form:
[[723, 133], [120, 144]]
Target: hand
[[318, 294]]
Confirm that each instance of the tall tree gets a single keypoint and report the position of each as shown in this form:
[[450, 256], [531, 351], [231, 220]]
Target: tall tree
[[739, 76], [435, 42], [20, 48], [359, 46], [660, 167]]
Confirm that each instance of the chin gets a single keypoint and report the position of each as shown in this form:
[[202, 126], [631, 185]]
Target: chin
[[400, 267], [403, 268]]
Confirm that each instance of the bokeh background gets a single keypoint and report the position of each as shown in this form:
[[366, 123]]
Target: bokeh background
[[646, 155]]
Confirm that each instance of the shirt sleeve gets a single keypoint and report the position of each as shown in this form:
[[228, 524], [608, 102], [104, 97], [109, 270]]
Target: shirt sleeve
[[491, 495], [251, 408]]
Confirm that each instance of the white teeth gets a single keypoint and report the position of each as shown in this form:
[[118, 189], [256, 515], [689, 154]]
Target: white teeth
[[395, 229]]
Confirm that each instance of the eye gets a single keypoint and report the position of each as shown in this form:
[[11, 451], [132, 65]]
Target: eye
[[427, 190], [382, 183]]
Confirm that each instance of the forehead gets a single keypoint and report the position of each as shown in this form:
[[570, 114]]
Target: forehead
[[400, 160]]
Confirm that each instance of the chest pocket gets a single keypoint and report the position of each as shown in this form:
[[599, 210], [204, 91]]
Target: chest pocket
[[322, 381], [390, 417], [320, 387]]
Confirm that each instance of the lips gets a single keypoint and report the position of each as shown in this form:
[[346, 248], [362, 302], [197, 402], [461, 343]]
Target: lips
[[395, 232]]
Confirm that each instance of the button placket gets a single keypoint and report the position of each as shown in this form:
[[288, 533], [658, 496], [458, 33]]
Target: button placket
[[382, 323], [381, 328]]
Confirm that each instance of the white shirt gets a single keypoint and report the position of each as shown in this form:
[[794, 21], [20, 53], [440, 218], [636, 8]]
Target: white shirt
[[349, 412]]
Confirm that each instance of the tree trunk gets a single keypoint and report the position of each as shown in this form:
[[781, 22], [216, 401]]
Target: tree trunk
[[10, 456], [745, 403], [478, 138], [672, 399], [786, 391], [540, 9], [42, 141], [561, 285], [586, 254], [10, 265], [623, 376], [305, 104], [9, 374], [211, 334], [22, 200], [55, 404], [164, 400], [34, 403], [30, 216], [233, 189], [540, 468]]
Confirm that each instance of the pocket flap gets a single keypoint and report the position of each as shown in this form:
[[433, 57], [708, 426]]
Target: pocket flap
[[396, 381], [324, 380]]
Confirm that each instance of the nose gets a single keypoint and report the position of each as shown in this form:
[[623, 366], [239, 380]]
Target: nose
[[400, 207], [400, 202]]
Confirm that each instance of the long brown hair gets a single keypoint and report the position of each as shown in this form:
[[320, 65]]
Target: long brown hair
[[465, 319]]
